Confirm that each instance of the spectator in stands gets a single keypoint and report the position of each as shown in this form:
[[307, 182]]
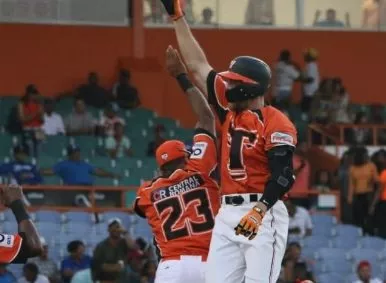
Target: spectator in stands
[[157, 12], [159, 138], [47, 266], [148, 272], [75, 171], [377, 118], [108, 120], [295, 267], [31, 275], [371, 14], [379, 159], [361, 136], [207, 15], [340, 103], [260, 12], [53, 122], [79, 122], [331, 21], [380, 211], [322, 102], [118, 146], [92, 93], [363, 178], [323, 181], [76, 261], [24, 172], [300, 224], [302, 173], [110, 255], [31, 113], [342, 176], [364, 273], [124, 93], [310, 86], [6, 276]]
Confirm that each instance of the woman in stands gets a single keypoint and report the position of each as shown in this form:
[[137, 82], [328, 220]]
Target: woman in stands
[[31, 114]]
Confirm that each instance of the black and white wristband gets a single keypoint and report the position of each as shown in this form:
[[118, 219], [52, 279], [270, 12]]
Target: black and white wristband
[[19, 210], [184, 82]]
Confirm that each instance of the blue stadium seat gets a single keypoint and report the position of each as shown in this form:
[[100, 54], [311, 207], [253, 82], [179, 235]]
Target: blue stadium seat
[[48, 216], [316, 242], [308, 253], [9, 227], [63, 239], [347, 231], [364, 254], [95, 238], [16, 269], [373, 243], [347, 243], [141, 228], [337, 266], [78, 229], [78, 216], [331, 254], [323, 219], [330, 278], [7, 215]]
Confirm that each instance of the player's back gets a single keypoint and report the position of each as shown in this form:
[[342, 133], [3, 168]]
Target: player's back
[[180, 210]]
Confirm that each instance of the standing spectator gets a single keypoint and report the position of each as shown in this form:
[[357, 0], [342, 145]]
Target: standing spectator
[[148, 273], [371, 14], [159, 138], [323, 182], [295, 267], [359, 135], [363, 178], [79, 122], [53, 122], [340, 103], [76, 261], [364, 273], [302, 173], [343, 182], [6, 276], [260, 12], [322, 102], [24, 172], [379, 159], [92, 93], [377, 118], [300, 224], [380, 211], [75, 171], [331, 21], [47, 266], [31, 275], [30, 113], [207, 15], [108, 120], [124, 93], [310, 86], [118, 145], [110, 255]]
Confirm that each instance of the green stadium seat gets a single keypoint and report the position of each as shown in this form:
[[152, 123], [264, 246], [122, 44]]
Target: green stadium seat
[[54, 146], [130, 198], [168, 123], [52, 180], [130, 181], [45, 161], [7, 142], [139, 114], [105, 181], [87, 144]]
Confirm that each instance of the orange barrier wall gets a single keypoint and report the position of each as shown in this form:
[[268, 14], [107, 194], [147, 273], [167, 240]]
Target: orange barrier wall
[[57, 58]]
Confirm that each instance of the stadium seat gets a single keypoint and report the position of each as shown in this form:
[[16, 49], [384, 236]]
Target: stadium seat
[[330, 278], [52, 180], [323, 219], [343, 242], [141, 228], [78, 216], [7, 215], [48, 216], [347, 231], [77, 229], [337, 266], [45, 161], [9, 227], [6, 145], [315, 242], [331, 254], [359, 254], [100, 162], [16, 269], [373, 243]]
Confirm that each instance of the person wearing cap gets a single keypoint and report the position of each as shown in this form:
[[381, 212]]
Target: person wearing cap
[[180, 205], [110, 258], [75, 171], [311, 84], [364, 273], [46, 265], [20, 169]]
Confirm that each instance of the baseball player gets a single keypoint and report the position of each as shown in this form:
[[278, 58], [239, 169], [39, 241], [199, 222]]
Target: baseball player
[[19, 247], [181, 204], [257, 145]]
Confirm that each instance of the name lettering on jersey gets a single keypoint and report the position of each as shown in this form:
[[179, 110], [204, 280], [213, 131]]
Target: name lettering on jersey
[[282, 138], [185, 185], [6, 240]]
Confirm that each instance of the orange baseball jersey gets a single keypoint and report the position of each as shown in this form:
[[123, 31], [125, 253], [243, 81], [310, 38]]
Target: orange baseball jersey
[[10, 246], [245, 139], [181, 208]]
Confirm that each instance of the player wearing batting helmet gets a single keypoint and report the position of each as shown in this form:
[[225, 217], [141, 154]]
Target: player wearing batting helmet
[[257, 144]]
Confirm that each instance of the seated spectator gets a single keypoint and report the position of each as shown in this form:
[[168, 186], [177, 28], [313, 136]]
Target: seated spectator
[[108, 120], [118, 146], [331, 20], [24, 172], [75, 171], [260, 12], [53, 122], [323, 181], [110, 255], [30, 113], [92, 93], [76, 261], [159, 138], [148, 272], [361, 136], [31, 275], [6, 276], [79, 122], [47, 266], [207, 15], [124, 93], [300, 224], [295, 267], [364, 273], [340, 103]]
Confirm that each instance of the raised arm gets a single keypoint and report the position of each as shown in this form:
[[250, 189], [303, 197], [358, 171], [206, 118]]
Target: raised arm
[[199, 104], [191, 51]]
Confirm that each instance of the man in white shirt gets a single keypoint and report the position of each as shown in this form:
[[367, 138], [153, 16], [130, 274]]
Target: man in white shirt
[[109, 119], [364, 273], [300, 224], [31, 275], [53, 122], [311, 81]]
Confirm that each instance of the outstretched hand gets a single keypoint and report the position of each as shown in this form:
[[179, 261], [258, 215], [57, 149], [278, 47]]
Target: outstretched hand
[[174, 63]]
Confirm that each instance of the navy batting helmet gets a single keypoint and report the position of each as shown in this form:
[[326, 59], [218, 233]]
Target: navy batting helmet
[[253, 74]]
